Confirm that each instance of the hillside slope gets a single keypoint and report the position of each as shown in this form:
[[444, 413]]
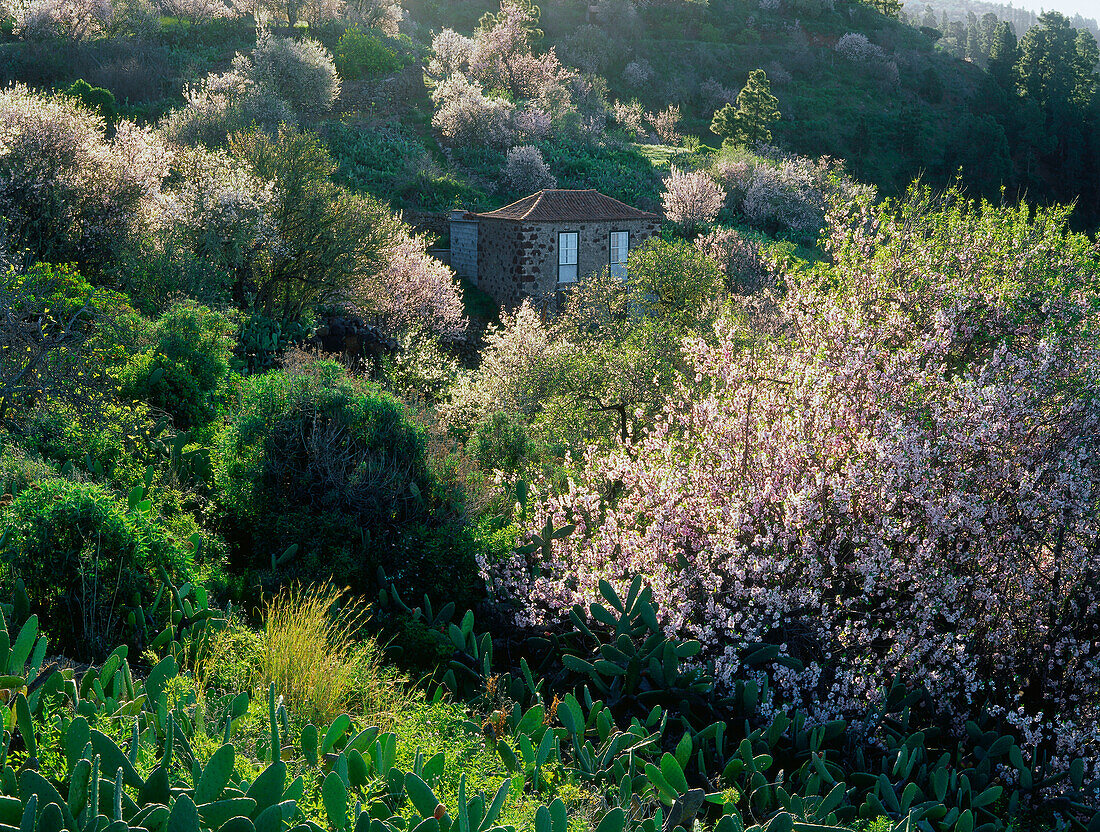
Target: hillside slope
[[889, 103]]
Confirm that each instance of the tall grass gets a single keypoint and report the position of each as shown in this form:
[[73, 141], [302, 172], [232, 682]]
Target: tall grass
[[312, 649]]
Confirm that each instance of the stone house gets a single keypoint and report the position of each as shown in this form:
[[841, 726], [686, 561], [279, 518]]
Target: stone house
[[545, 242]]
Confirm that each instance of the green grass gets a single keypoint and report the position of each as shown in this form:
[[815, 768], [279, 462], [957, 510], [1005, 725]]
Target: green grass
[[661, 156]]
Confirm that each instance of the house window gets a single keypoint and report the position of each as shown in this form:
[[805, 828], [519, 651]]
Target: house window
[[567, 257], [620, 247]]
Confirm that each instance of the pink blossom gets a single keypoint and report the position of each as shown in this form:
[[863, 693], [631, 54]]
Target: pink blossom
[[895, 473]]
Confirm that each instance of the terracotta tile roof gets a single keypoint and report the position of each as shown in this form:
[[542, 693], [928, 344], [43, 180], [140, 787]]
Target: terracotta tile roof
[[568, 206]]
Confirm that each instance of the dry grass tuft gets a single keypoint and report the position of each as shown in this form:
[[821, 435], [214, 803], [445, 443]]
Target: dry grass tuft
[[312, 650]]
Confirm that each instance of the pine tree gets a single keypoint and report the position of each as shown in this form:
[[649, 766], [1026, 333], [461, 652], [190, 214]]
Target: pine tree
[[890, 8], [757, 109], [1055, 66], [1088, 56], [989, 25], [973, 44], [1004, 51], [724, 123]]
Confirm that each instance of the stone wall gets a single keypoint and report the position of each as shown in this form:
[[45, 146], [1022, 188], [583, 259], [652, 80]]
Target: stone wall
[[463, 258], [434, 223], [593, 249], [517, 259], [498, 260]]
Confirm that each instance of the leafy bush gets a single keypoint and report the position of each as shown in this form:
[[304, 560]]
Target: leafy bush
[[85, 559], [590, 49], [184, 372], [500, 442], [631, 116], [451, 53], [316, 437], [330, 240], [638, 73], [218, 231], [19, 468], [362, 54], [97, 99], [483, 83], [316, 458], [59, 339], [514, 374], [198, 12], [66, 20], [665, 124]]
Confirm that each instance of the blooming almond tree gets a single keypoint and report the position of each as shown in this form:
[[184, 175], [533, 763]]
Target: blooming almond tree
[[199, 11], [502, 57], [466, 115], [413, 292], [515, 375], [744, 268], [72, 20], [482, 83], [691, 200], [526, 171], [67, 192], [897, 476]]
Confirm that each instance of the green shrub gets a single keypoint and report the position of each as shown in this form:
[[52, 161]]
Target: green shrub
[[500, 442], [19, 468], [184, 371], [334, 467], [362, 54], [315, 437], [94, 98], [85, 558]]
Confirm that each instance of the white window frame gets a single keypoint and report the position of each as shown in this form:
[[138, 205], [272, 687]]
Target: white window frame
[[568, 246], [618, 267]]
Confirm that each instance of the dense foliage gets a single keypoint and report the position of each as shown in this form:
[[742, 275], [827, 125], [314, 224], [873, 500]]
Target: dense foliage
[[787, 524], [891, 473], [86, 559], [325, 475]]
